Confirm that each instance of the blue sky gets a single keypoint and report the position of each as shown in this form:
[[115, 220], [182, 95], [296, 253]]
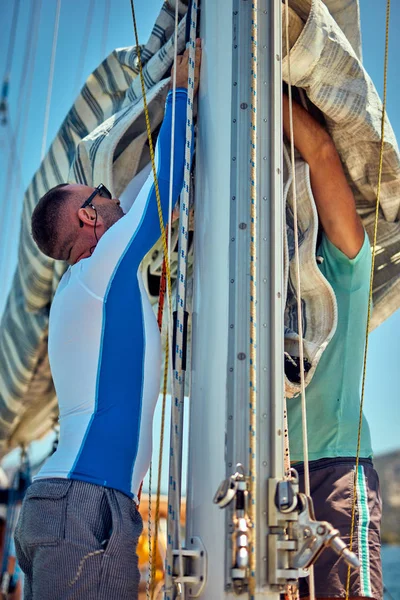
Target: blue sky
[[382, 395]]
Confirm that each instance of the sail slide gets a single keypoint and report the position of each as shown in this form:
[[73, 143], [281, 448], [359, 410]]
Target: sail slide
[[103, 138]]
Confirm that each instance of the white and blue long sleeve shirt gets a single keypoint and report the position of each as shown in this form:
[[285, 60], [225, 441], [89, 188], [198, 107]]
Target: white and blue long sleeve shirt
[[104, 342]]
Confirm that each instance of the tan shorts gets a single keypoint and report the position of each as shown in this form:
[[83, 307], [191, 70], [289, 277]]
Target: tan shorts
[[331, 484]]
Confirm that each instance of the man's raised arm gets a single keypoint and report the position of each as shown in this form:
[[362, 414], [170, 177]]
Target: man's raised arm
[[333, 196]]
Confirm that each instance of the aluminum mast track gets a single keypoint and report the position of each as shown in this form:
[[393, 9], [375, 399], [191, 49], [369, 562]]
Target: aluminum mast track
[[175, 586]]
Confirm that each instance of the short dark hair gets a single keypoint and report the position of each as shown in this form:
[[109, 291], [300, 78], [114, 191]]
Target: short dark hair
[[46, 218]]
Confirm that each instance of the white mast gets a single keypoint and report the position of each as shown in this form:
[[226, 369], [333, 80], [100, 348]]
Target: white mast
[[211, 293], [248, 551], [219, 414]]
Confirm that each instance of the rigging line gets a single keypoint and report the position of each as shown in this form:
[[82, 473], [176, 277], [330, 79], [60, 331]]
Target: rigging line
[[371, 282], [164, 400], [5, 265], [167, 284], [150, 559], [11, 42], [386, 591], [22, 99], [10, 211], [298, 281], [151, 584], [84, 47], [106, 23], [156, 187], [253, 294], [172, 159], [151, 150], [9, 59], [12, 155], [17, 183], [27, 97], [17, 161], [51, 77], [177, 376], [178, 387], [160, 461]]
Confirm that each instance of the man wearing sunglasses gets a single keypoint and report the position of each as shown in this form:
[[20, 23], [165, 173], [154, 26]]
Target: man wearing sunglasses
[[79, 524]]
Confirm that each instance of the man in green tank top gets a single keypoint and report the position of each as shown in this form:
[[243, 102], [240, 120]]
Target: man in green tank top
[[333, 395]]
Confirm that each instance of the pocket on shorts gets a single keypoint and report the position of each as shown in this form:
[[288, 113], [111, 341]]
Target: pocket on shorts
[[137, 521], [42, 520]]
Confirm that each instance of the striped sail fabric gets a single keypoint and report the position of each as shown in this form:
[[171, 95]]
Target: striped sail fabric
[[103, 138]]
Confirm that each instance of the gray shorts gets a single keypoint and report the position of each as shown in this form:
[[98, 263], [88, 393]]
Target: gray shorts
[[76, 540], [332, 483]]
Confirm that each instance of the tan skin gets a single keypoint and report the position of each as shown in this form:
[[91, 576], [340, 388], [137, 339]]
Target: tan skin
[[332, 194], [75, 242]]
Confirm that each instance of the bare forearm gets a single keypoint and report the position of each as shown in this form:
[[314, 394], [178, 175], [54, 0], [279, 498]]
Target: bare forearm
[[309, 136], [332, 193]]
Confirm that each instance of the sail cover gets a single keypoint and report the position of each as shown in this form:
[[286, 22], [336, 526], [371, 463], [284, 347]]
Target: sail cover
[[103, 138]]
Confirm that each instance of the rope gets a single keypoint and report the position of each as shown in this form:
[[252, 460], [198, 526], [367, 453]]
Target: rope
[[32, 56], [298, 290], [371, 281], [9, 59], [106, 23], [150, 560], [166, 263], [178, 387], [11, 43], [253, 297], [170, 336], [51, 77], [7, 211], [164, 284], [157, 515], [151, 150], [153, 548], [85, 41], [23, 100], [25, 85], [13, 181]]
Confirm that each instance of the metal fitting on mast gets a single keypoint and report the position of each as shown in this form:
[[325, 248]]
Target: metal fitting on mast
[[235, 489], [296, 538]]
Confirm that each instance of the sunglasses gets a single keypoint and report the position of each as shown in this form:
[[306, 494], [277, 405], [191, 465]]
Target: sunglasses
[[102, 191]]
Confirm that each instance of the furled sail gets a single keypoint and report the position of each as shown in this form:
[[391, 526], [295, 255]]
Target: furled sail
[[103, 138]]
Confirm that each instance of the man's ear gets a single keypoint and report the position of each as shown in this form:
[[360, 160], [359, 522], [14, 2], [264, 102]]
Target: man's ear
[[87, 215]]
